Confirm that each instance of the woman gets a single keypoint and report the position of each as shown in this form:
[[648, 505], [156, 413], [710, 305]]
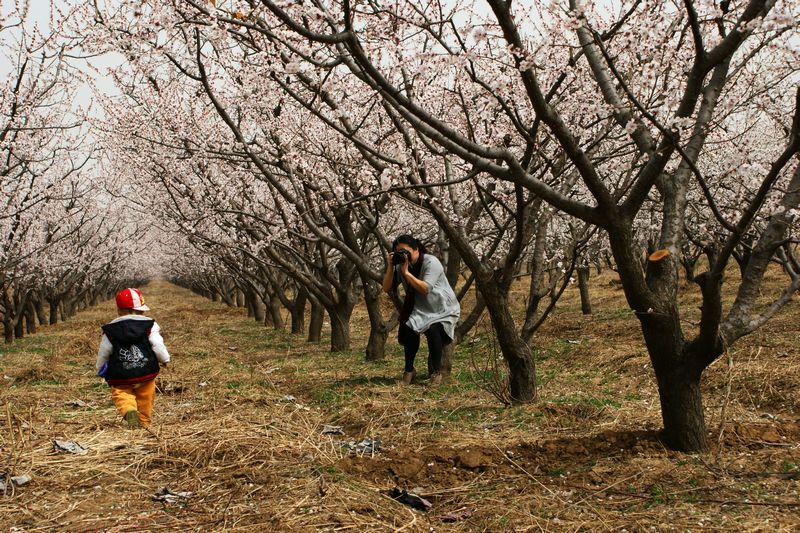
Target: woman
[[430, 306]]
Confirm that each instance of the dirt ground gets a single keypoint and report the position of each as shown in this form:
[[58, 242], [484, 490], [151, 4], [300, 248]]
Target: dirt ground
[[240, 415]]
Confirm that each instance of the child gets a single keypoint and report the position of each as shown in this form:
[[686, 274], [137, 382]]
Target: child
[[129, 356]]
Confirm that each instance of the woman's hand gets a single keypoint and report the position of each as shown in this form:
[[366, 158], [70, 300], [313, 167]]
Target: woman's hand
[[404, 264]]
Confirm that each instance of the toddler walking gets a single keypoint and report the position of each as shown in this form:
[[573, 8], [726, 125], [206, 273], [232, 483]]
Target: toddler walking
[[130, 352]]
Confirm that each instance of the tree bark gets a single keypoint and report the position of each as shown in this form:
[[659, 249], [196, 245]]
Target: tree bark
[[19, 330], [378, 328], [274, 311], [517, 354], [53, 310], [259, 310], [682, 410], [583, 287], [315, 325], [339, 316], [30, 318], [40, 313], [298, 312]]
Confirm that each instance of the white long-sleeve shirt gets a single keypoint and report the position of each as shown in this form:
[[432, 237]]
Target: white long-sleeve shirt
[[155, 338]]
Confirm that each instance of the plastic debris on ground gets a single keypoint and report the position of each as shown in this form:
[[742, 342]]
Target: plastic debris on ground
[[77, 403], [9, 482], [287, 398], [366, 446], [328, 429], [409, 498], [167, 495], [68, 446]]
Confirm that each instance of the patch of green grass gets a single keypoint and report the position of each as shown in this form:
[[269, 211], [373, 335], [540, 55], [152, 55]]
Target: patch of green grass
[[545, 376], [330, 397], [788, 467], [235, 385], [555, 349], [657, 495], [555, 472], [334, 473], [18, 347], [199, 354], [632, 397]]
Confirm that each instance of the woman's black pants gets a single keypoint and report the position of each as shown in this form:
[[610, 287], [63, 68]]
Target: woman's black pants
[[437, 339]]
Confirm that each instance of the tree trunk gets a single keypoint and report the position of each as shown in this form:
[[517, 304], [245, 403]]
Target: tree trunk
[[521, 367], [53, 311], [583, 287], [447, 359], [8, 329], [30, 318], [19, 328], [340, 326], [378, 328], [40, 314], [682, 411], [298, 312], [274, 309], [249, 304], [259, 309], [315, 325]]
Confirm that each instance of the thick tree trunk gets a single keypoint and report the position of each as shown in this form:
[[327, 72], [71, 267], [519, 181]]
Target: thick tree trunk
[[40, 313], [255, 307], [682, 411], [53, 311], [378, 328], [518, 356], [298, 312], [340, 327], [274, 309], [583, 287], [30, 318], [315, 324], [19, 329], [8, 330], [447, 359]]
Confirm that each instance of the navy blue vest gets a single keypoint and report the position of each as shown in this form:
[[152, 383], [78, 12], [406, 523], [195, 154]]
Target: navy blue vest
[[132, 358]]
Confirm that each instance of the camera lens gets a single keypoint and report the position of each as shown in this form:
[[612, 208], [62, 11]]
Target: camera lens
[[398, 258]]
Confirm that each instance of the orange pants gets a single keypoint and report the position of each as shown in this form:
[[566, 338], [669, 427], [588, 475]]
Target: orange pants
[[135, 397]]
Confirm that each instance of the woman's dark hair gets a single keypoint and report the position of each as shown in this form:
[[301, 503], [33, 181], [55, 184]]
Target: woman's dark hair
[[411, 241]]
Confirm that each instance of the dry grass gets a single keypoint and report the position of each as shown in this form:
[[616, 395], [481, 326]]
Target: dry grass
[[585, 457]]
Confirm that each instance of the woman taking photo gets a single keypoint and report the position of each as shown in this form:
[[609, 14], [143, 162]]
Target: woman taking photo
[[429, 306]]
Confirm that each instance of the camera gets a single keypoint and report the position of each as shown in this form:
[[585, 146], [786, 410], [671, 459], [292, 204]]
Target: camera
[[399, 257]]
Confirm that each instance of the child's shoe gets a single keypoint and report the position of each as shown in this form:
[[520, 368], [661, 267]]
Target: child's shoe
[[132, 418]]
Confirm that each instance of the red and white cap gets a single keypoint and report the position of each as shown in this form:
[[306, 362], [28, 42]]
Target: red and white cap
[[131, 299]]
